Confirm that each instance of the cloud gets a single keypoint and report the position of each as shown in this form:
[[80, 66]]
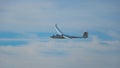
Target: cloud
[[55, 54], [114, 34], [42, 15]]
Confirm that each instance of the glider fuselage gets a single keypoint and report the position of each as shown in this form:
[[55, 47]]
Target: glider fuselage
[[57, 36]]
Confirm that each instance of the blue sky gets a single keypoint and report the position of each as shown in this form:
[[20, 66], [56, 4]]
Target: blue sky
[[25, 27]]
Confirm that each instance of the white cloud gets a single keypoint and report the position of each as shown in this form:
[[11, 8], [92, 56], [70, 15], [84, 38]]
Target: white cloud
[[42, 15], [69, 54], [114, 34]]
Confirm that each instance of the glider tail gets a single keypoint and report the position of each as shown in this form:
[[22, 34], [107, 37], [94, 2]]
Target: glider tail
[[85, 35]]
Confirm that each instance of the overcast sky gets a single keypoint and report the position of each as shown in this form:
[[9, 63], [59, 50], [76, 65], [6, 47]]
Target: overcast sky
[[25, 27]]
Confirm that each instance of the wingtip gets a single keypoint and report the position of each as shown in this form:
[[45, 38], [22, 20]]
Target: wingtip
[[55, 24]]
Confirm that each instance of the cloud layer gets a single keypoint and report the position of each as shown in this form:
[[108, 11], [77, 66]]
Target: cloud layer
[[42, 15], [56, 54]]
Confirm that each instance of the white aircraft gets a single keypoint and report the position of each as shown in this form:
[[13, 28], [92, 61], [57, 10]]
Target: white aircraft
[[60, 35]]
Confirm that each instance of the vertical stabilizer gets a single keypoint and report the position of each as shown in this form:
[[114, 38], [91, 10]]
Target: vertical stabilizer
[[85, 35]]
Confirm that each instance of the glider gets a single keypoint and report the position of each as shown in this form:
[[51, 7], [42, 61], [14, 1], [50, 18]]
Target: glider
[[60, 34]]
